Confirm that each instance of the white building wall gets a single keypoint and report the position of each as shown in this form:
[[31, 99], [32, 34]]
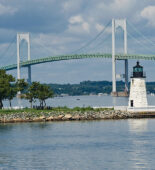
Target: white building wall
[[138, 93]]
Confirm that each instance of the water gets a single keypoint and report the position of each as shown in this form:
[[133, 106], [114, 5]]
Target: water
[[83, 101], [87, 145]]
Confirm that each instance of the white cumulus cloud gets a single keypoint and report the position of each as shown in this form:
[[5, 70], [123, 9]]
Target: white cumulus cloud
[[76, 19], [149, 14], [78, 25]]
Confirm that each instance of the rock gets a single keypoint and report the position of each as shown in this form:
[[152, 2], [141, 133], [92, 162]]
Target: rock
[[76, 117], [60, 116], [17, 120], [57, 118], [49, 118], [67, 117], [42, 117], [35, 119], [82, 118]]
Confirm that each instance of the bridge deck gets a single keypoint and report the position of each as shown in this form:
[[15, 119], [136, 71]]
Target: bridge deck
[[77, 56]]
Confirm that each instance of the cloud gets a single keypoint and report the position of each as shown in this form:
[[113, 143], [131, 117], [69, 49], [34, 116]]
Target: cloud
[[71, 6], [99, 27], [117, 8], [78, 25], [34, 16], [122, 4], [7, 10], [149, 14], [76, 19], [65, 26]]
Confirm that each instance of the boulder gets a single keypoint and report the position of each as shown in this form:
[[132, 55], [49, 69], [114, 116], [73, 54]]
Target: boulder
[[57, 118], [35, 119], [17, 120], [41, 118], [76, 117], [67, 117], [60, 116], [49, 118]]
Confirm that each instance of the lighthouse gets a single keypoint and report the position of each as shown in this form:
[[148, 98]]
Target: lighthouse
[[138, 96]]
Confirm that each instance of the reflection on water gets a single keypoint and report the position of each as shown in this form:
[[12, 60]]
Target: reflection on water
[[121, 144], [114, 100], [138, 127]]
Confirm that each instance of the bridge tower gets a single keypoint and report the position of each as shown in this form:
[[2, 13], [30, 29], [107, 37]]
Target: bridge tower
[[20, 37], [115, 24]]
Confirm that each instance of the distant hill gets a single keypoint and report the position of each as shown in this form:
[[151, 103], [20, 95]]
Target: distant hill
[[92, 87]]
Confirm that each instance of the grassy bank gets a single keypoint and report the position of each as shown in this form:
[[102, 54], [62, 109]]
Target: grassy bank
[[54, 109]]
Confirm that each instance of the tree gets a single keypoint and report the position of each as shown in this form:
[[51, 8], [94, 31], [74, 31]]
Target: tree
[[44, 92], [5, 84], [11, 93], [40, 92], [29, 96], [21, 85], [31, 93]]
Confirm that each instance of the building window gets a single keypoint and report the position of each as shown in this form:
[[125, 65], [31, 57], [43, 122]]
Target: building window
[[131, 103]]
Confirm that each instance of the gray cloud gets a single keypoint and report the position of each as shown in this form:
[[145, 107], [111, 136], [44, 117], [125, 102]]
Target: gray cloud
[[60, 27], [35, 16]]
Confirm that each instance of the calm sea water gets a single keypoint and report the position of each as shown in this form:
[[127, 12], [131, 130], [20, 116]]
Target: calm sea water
[[84, 145], [83, 101], [87, 145]]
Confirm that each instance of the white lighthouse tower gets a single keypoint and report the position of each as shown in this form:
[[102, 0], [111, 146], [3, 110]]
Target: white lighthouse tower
[[138, 96]]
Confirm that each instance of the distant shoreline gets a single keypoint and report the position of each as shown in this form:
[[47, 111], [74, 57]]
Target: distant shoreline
[[93, 88], [31, 115]]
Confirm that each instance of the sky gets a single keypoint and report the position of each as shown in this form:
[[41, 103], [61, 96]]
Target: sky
[[62, 27]]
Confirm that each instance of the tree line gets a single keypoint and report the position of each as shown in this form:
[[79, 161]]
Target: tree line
[[9, 87], [93, 87]]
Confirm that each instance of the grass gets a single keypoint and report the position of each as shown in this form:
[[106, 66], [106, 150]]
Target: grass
[[55, 109]]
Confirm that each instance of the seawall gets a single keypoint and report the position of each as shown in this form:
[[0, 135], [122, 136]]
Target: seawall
[[70, 116]]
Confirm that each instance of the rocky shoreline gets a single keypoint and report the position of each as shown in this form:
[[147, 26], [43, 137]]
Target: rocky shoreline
[[70, 116]]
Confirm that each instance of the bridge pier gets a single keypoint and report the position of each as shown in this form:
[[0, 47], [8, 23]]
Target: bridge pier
[[26, 37], [115, 24], [126, 76], [113, 59]]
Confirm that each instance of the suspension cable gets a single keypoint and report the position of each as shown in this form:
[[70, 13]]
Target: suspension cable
[[92, 40], [139, 42], [152, 43]]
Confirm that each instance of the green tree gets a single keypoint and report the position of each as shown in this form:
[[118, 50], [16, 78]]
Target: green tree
[[29, 96], [11, 93], [44, 92], [31, 93], [40, 92], [21, 85], [5, 85]]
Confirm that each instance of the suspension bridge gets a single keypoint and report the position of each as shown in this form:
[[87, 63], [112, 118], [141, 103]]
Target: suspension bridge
[[81, 54]]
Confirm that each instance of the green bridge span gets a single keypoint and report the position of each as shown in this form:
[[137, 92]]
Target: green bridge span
[[77, 56]]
